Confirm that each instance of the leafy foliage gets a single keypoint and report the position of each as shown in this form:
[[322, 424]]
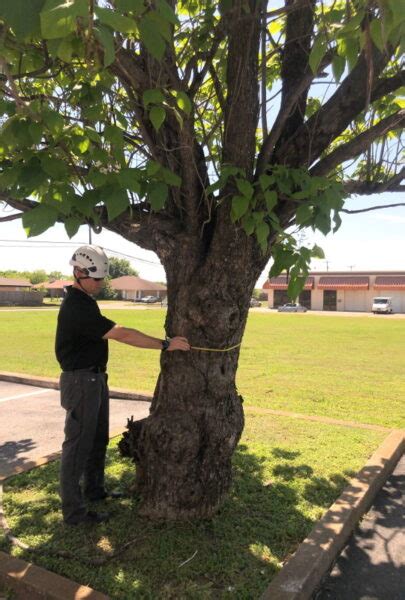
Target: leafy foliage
[[120, 267], [96, 96]]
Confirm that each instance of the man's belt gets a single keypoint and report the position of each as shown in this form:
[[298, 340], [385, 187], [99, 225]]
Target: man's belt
[[92, 369]]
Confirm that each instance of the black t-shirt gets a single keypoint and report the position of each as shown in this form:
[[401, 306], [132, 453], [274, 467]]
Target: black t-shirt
[[79, 333]]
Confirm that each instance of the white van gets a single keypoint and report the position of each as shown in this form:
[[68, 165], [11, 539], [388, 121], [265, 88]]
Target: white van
[[382, 304]]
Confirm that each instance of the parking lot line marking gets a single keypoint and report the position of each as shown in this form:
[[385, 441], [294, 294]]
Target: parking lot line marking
[[24, 395]]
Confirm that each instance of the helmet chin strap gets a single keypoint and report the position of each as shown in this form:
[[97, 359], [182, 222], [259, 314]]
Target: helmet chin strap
[[78, 280]]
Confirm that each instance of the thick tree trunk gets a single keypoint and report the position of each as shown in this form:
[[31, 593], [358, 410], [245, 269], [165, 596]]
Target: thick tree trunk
[[183, 450]]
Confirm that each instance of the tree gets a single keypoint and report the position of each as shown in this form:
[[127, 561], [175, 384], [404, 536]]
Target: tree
[[120, 267], [107, 291], [155, 120], [55, 276], [38, 276]]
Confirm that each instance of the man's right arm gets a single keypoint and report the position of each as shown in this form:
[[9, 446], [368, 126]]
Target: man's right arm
[[133, 337]]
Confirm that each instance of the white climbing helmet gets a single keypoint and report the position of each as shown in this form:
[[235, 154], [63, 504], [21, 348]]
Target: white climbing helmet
[[92, 260]]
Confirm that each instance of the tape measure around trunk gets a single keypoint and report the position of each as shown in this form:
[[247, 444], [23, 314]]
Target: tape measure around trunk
[[215, 349]]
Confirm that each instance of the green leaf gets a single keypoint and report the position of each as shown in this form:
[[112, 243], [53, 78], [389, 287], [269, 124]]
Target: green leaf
[[116, 201], [317, 53], [39, 219], [337, 220], [295, 286], [152, 167], [53, 120], [317, 252], [157, 116], [398, 11], [85, 203], [271, 199], [136, 7], [376, 33], [116, 21], [58, 17], [169, 177], [72, 225], [184, 102], [248, 224], [151, 37], [240, 204], [152, 96], [65, 50], [338, 66], [22, 16], [351, 50], [129, 179], [54, 167], [304, 214], [157, 195], [96, 178], [106, 38], [245, 188], [262, 233], [167, 12], [266, 181], [113, 134]]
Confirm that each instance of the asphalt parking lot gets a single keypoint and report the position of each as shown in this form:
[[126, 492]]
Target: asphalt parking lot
[[32, 421]]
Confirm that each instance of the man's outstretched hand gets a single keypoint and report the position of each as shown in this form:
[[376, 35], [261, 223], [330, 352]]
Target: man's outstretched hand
[[178, 343]]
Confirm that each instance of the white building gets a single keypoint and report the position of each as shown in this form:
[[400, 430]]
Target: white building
[[342, 291]]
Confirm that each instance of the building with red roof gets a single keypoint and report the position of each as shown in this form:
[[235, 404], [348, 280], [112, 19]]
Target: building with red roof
[[341, 290]]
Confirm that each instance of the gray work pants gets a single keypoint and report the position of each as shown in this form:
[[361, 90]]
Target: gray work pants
[[84, 396]]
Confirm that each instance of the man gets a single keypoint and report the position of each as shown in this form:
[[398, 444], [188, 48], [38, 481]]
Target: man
[[82, 351]]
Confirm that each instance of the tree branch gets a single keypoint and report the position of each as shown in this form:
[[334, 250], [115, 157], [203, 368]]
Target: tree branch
[[359, 144], [368, 187], [22, 205], [242, 102], [286, 109], [11, 217], [370, 208], [349, 100], [297, 47]]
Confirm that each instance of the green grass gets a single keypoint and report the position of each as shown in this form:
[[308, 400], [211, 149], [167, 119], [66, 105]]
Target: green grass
[[286, 473], [349, 368]]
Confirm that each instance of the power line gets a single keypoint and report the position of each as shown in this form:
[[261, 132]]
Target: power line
[[49, 244]]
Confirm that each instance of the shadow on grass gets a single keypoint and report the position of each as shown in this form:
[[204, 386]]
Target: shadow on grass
[[12, 455], [236, 553]]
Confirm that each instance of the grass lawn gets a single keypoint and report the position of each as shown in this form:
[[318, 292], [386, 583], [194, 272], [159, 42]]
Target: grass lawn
[[287, 472], [349, 368]]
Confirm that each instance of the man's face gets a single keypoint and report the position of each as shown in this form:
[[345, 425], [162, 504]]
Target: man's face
[[90, 285]]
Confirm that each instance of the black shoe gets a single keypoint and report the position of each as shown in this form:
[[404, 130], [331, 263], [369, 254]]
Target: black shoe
[[104, 495], [91, 516]]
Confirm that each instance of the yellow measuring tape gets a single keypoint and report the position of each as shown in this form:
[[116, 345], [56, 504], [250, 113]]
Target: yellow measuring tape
[[215, 349]]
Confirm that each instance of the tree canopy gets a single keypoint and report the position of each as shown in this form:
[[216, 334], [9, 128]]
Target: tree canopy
[[119, 267], [99, 98]]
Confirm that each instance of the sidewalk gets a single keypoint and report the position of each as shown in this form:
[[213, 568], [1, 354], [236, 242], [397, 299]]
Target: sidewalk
[[32, 423], [372, 565]]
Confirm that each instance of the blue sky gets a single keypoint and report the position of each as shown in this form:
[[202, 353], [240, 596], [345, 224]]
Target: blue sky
[[367, 241]]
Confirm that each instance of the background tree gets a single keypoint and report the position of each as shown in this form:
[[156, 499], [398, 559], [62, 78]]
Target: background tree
[[120, 267], [195, 130], [107, 291], [56, 276], [38, 276]]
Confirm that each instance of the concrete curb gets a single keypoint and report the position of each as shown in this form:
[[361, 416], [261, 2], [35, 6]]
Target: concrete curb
[[53, 383], [28, 581], [302, 575]]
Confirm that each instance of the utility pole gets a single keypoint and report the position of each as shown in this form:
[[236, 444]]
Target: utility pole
[[350, 267], [89, 235]]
